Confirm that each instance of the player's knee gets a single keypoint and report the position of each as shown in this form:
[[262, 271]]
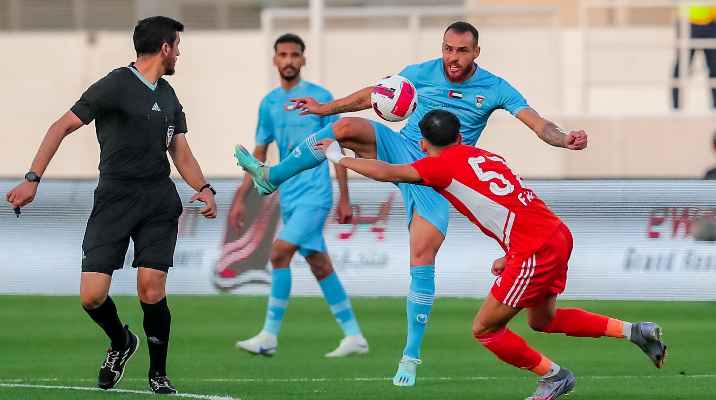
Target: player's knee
[[539, 325], [481, 329], [321, 270], [345, 129], [92, 299], [423, 254], [279, 258], [151, 294]]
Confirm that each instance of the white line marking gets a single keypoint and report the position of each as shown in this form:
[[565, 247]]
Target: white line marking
[[5, 382], [93, 389]]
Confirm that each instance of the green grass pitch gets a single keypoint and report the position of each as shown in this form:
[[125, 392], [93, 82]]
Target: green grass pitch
[[49, 349]]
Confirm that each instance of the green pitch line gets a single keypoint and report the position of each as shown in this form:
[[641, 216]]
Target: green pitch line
[[49, 349]]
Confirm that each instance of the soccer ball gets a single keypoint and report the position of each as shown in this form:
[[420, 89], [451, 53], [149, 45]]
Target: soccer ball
[[394, 98]]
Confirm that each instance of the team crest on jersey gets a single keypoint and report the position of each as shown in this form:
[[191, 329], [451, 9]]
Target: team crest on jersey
[[290, 106], [479, 101], [170, 134]]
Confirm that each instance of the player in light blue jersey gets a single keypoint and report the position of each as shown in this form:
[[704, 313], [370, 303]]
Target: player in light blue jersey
[[454, 82], [306, 200]]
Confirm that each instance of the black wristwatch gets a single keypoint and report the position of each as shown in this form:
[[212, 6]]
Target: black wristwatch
[[31, 176], [208, 186]]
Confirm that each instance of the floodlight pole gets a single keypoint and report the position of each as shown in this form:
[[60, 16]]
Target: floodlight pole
[[316, 23]]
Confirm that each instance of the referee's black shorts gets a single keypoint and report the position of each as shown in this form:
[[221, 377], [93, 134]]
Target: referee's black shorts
[[146, 212]]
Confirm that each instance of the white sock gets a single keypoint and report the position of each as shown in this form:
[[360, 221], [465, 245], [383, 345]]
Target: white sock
[[627, 330], [553, 370]]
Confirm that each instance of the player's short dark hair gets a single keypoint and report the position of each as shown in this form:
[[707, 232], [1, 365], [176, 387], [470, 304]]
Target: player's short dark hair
[[440, 128], [289, 38], [151, 33], [463, 27]]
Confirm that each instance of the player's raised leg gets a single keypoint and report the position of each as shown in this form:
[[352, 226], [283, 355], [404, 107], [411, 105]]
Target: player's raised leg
[[356, 134], [151, 288], [266, 342], [580, 323], [94, 290], [353, 341], [490, 329], [425, 240]]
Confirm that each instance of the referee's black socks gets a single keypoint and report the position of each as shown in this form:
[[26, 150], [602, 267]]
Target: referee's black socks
[[106, 317], [157, 321]]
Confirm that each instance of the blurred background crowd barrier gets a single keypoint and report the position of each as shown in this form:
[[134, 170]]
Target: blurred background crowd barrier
[[603, 65]]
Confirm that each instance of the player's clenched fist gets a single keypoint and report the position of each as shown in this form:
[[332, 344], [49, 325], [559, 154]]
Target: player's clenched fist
[[206, 197], [576, 140], [498, 266], [22, 194]]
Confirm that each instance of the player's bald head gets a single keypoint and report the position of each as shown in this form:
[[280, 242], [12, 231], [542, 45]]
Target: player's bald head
[[462, 28], [440, 128]]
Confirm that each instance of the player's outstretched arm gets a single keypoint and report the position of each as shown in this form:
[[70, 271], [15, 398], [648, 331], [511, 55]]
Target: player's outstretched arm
[[190, 170], [374, 169], [357, 101], [550, 133], [24, 193]]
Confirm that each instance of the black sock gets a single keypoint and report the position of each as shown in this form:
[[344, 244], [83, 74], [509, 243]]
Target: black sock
[[106, 317], [157, 320]]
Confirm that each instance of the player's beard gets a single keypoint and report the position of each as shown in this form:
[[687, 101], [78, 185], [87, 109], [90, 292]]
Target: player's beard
[[289, 76], [169, 65], [464, 72]]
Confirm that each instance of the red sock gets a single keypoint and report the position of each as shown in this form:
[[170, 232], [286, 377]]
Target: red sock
[[512, 349], [580, 323]]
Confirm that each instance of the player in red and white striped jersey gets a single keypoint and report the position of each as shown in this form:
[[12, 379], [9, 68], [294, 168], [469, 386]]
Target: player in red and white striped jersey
[[537, 246]]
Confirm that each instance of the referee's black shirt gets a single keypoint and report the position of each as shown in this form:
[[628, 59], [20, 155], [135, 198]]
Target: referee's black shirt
[[135, 123]]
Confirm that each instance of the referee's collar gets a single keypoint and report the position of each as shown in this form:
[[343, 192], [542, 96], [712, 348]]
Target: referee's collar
[[135, 71]]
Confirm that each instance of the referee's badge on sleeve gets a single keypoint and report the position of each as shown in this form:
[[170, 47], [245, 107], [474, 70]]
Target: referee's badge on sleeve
[[170, 134]]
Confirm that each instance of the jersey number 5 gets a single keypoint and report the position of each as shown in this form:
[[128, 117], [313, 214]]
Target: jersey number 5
[[499, 185]]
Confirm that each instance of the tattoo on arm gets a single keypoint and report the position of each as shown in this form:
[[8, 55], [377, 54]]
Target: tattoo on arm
[[358, 101], [348, 107], [552, 134]]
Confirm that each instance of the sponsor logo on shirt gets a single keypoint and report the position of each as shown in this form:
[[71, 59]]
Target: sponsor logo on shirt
[[155, 107], [170, 134]]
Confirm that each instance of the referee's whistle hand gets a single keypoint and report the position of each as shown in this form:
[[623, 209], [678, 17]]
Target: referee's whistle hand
[[22, 194], [206, 197]]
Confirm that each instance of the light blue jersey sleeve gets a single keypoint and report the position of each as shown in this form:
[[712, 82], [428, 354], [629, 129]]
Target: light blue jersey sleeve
[[264, 127], [510, 99]]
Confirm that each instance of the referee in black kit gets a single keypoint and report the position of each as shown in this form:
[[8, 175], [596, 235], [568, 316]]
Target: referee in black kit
[[138, 119]]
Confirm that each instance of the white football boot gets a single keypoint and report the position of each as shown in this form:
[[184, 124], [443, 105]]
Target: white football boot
[[407, 370], [350, 345], [264, 344]]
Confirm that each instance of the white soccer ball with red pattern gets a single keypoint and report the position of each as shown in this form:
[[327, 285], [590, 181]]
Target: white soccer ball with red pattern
[[394, 98]]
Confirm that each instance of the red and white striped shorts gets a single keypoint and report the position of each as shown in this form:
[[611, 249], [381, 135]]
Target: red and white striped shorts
[[527, 281]]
